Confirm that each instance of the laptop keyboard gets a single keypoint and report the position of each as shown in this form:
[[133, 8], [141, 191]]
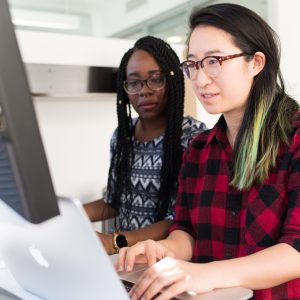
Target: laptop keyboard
[[128, 285]]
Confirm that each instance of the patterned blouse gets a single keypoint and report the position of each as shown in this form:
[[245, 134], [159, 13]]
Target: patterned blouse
[[145, 178]]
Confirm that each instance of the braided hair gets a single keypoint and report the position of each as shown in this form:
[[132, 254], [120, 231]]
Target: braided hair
[[122, 158]]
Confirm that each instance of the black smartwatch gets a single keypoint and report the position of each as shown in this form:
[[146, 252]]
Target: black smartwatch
[[119, 241]]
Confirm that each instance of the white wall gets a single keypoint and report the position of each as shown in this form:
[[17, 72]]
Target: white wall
[[75, 130], [76, 134], [55, 48], [284, 18]]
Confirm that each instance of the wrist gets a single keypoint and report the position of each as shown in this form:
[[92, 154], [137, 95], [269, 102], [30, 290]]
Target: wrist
[[222, 278], [106, 242]]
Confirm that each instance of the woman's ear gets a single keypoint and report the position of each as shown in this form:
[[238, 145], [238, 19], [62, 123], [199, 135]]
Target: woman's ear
[[258, 62]]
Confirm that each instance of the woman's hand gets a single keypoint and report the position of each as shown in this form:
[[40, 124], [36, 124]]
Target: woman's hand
[[170, 277], [148, 252]]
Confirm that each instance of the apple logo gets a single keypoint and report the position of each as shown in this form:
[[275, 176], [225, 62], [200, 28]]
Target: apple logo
[[38, 256]]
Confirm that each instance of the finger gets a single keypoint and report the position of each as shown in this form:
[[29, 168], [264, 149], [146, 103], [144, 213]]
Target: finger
[[153, 252], [131, 254], [160, 253], [143, 284], [141, 259], [174, 289], [120, 263], [151, 258], [154, 280]]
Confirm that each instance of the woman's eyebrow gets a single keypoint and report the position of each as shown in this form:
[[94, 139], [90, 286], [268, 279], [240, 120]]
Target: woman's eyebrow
[[132, 74], [136, 74], [207, 53]]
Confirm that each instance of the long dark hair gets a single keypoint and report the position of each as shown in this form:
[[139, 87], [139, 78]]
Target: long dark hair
[[267, 121], [122, 158]]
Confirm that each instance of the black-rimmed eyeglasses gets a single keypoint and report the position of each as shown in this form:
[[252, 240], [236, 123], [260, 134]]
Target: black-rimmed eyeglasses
[[211, 65], [155, 82]]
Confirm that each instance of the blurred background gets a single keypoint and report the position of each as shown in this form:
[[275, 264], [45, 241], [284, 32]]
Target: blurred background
[[71, 50], [128, 19]]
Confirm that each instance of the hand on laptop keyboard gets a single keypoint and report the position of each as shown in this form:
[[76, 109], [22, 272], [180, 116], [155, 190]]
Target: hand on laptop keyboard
[[128, 285]]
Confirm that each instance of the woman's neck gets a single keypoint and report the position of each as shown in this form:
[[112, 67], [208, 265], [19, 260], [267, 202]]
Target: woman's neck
[[147, 130], [233, 127]]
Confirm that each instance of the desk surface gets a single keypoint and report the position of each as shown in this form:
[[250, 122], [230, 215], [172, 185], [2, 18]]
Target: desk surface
[[8, 282]]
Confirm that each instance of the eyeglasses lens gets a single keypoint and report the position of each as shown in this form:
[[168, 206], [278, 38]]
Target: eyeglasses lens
[[210, 65], [155, 83]]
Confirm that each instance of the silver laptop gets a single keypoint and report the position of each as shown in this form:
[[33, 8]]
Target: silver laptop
[[61, 258]]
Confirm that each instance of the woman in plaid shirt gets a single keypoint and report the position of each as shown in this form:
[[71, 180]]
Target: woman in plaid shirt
[[238, 205]]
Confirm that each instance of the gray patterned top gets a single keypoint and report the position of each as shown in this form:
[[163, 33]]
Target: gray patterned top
[[145, 177]]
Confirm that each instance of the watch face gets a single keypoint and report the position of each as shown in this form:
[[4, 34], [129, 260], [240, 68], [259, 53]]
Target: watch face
[[121, 241]]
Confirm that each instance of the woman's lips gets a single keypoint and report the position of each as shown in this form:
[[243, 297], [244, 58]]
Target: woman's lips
[[147, 105], [208, 97]]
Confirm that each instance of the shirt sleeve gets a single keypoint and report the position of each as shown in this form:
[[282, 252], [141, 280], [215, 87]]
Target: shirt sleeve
[[190, 128], [291, 228]]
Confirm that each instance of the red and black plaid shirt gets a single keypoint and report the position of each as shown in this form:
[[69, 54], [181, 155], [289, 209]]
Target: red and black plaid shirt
[[228, 223]]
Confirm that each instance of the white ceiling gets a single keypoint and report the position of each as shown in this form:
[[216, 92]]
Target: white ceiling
[[58, 4], [127, 18]]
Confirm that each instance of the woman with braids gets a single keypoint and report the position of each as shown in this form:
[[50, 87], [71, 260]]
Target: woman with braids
[[145, 151], [238, 203]]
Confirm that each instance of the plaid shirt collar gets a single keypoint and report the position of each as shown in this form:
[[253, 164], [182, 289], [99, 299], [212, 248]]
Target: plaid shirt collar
[[218, 134]]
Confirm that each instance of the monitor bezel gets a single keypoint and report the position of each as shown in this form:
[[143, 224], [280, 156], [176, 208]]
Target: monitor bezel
[[19, 129]]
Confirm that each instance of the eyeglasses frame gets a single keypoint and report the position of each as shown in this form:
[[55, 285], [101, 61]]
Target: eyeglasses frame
[[145, 82], [219, 58]]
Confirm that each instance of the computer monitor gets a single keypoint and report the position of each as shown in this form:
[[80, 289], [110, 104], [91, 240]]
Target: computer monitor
[[25, 181]]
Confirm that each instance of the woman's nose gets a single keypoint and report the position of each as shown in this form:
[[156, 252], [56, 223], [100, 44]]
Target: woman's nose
[[201, 78], [145, 88]]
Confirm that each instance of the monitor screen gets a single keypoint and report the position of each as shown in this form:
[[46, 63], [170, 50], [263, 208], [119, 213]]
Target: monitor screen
[[25, 181]]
